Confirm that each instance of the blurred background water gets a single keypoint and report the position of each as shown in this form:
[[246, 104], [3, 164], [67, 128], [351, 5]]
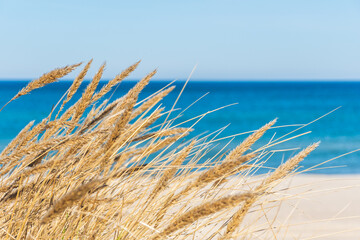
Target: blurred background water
[[294, 102]]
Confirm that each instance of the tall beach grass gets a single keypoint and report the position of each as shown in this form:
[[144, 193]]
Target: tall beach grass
[[121, 169]]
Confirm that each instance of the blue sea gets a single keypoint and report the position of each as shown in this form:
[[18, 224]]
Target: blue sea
[[293, 102]]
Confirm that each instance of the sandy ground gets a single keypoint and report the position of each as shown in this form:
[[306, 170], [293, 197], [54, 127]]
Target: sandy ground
[[327, 207], [312, 207]]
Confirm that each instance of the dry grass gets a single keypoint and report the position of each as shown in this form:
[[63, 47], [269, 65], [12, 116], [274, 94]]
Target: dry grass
[[111, 173]]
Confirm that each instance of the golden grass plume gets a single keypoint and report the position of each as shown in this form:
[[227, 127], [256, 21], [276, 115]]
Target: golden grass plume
[[115, 172]]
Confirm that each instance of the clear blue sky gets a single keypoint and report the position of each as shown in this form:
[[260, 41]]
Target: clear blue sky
[[296, 39]]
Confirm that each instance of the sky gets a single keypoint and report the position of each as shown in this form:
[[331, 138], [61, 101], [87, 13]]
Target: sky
[[225, 40]]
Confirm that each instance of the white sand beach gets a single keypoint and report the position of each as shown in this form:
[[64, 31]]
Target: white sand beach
[[314, 207], [328, 207]]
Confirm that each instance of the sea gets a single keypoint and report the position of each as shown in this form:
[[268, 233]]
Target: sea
[[227, 111]]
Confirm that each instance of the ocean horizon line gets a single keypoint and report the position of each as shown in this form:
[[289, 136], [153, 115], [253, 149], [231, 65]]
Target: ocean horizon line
[[206, 80]]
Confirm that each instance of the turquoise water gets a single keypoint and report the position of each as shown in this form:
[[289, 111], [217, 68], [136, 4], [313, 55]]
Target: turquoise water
[[258, 103]]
